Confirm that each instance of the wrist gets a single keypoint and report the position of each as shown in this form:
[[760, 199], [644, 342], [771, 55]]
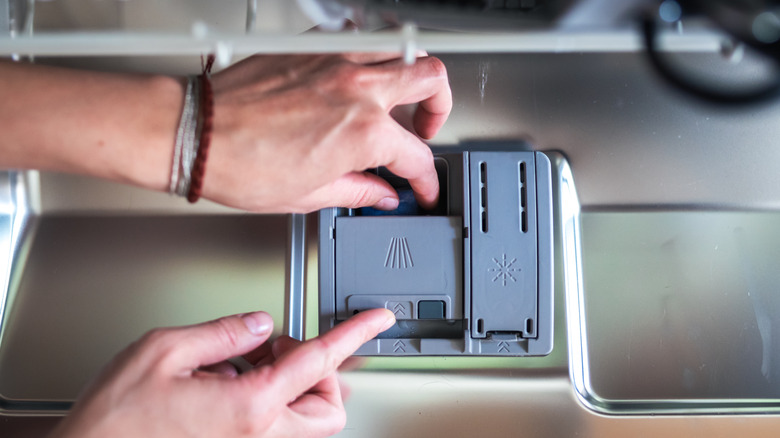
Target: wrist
[[149, 141]]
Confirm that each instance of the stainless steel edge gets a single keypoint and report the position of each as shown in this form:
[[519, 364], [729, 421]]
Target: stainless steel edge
[[8, 211], [15, 213], [567, 212], [296, 277], [19, 207]]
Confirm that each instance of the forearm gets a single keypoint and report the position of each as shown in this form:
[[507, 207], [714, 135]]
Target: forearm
[[290, 133], [119, 127]]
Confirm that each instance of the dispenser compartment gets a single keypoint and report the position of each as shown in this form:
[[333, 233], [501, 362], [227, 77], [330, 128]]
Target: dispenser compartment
[[471, 277]]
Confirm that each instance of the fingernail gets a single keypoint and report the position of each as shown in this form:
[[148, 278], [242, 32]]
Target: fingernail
[[387, 204], [390, 321], [258, 323]]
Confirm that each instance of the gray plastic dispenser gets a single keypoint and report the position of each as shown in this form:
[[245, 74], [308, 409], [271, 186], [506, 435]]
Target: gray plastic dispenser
[[474, 277]]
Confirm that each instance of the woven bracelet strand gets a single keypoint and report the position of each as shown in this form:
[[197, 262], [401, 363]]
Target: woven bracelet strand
[[191, 141], [186, 146], [186, 113], [206, 128]]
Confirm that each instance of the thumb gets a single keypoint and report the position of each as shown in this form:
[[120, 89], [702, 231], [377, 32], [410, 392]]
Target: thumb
[[221, 339], [354, 190]]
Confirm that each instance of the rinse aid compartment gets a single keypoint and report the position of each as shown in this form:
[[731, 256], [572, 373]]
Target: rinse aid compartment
[[472, 277]]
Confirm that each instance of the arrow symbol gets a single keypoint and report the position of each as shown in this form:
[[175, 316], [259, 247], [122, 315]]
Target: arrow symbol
[[399, 310], [399, 346], [503, 347]]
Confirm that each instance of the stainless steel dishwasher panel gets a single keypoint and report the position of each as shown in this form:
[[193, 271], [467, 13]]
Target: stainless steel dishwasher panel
[[680, 312], [86, 283]]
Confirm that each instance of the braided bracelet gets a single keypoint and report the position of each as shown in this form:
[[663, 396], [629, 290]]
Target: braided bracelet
[[186, 145], [206, 128], [193, 136]]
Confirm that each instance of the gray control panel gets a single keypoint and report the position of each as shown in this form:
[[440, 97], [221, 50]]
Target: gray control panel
[[472, 277]]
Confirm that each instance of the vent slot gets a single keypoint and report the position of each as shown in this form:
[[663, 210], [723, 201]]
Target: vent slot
[[523, 197], [483, 219], [529, 327]]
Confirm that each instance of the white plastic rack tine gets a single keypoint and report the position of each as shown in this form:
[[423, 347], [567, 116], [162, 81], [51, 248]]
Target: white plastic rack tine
[[408, 40], [409, 45], [251, 15]]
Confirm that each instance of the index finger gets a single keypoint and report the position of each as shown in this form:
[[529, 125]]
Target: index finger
[[424, 82], [301, 368], [412, 159]]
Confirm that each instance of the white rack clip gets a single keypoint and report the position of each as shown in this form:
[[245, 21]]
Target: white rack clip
[[199, 30], [251, 15], [409, 42], [223, 51]]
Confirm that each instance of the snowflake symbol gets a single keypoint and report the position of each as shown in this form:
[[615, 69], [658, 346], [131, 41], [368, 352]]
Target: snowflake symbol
[[504, 270]]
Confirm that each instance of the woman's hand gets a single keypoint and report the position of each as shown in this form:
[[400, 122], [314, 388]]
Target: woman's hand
[[295, 133], [291, 133], [175, 382]]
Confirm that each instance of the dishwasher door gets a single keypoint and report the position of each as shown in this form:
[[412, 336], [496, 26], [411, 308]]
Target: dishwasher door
[[665, 252]]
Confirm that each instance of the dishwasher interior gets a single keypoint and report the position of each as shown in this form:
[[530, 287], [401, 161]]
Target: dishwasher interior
[[665, 208]]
